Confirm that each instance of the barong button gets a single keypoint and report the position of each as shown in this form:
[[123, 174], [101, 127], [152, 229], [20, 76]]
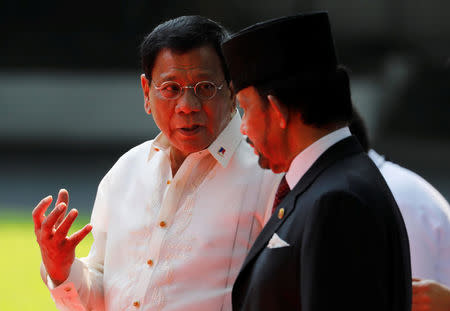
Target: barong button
[[162, 224], [136, 304], [150, 262]]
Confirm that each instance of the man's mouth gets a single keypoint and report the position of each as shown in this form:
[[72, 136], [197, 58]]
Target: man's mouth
[[250, 142], [190, 130]]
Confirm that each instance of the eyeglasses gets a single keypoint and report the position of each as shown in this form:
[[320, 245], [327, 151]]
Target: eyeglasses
[[172, 90]]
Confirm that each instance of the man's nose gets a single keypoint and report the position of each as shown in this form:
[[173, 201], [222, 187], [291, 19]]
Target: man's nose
[[188, 102]]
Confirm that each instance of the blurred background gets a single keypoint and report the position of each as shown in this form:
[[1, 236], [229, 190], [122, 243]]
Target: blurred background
[[71, 103]]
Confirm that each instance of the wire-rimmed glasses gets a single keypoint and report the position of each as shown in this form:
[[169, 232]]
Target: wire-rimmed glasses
[[172, 90]]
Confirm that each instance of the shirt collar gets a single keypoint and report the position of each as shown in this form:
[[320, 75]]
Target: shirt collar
[[159, 143], [222, 149], [376, 158], [305, 159]]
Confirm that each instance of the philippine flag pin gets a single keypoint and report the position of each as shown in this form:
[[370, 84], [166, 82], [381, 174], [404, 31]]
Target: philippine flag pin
[[221, 151]]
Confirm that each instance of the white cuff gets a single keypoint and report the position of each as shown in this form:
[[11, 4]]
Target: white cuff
[[66, 294], [75, 276]]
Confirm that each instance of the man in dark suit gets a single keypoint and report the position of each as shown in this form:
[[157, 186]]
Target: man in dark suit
[[337, 241]]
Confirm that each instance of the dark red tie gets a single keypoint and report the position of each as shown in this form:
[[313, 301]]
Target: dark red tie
[[283, 190]]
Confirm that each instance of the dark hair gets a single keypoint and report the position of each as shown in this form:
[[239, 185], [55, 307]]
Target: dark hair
[[358, 128], [320, 99], [182, 34]]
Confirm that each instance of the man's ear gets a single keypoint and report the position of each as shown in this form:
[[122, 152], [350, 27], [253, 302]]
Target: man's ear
[[281, 111], [146, 88]]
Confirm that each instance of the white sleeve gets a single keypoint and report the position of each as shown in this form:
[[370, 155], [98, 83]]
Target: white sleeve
[[443, 265], [83, 289]]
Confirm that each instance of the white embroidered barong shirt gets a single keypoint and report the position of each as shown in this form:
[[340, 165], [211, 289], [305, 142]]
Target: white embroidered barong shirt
[[171, 243], [427, 219]]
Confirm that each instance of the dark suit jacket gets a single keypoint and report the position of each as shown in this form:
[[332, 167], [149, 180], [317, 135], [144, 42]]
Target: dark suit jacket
[[348, 243]]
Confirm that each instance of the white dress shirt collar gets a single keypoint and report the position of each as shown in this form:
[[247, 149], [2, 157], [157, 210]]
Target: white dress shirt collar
[[305, 159], [222, 149], [378, 159]]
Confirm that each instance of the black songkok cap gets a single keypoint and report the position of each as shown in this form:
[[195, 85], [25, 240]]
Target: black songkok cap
[[294, 47]]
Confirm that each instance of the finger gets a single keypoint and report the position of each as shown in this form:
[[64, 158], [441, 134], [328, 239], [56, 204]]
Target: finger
[[39, 211], [64, 227], [60, 219], [417, 298], [421, 286], [78, 236], [49, 222], [420, 307], [421, 298], [63, 197]]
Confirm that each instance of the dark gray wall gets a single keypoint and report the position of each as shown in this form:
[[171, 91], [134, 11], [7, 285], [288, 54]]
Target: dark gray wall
[[70, 98]]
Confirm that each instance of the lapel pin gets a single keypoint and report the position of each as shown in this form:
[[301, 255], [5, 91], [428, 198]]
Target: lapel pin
[[280, 213], [221, 151]]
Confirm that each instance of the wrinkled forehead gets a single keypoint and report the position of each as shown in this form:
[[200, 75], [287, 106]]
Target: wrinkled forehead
[[200, 63]]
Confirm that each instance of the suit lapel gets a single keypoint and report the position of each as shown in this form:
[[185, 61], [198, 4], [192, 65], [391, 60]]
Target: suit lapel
[[339, 150]]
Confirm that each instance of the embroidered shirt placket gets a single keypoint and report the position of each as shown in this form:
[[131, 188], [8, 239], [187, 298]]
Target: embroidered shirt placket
[[175, 190]]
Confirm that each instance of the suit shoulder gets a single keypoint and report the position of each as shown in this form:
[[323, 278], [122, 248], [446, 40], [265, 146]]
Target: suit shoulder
[[354, 174], [356, 178], [336, 200]]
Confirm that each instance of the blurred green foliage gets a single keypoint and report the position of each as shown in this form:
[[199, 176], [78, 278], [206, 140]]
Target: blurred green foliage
[[21, 287]]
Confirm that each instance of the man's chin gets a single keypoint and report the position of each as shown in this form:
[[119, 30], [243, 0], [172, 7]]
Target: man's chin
[[263, 162]]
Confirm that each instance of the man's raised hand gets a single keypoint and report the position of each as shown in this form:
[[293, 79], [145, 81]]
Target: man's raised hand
[[57, 249]]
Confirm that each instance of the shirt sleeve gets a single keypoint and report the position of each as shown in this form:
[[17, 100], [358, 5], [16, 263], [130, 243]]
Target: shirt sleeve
[[83, 289], [443, 265], [426, 214]]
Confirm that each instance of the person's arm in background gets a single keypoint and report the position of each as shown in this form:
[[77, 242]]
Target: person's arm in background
[[429, 294]]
